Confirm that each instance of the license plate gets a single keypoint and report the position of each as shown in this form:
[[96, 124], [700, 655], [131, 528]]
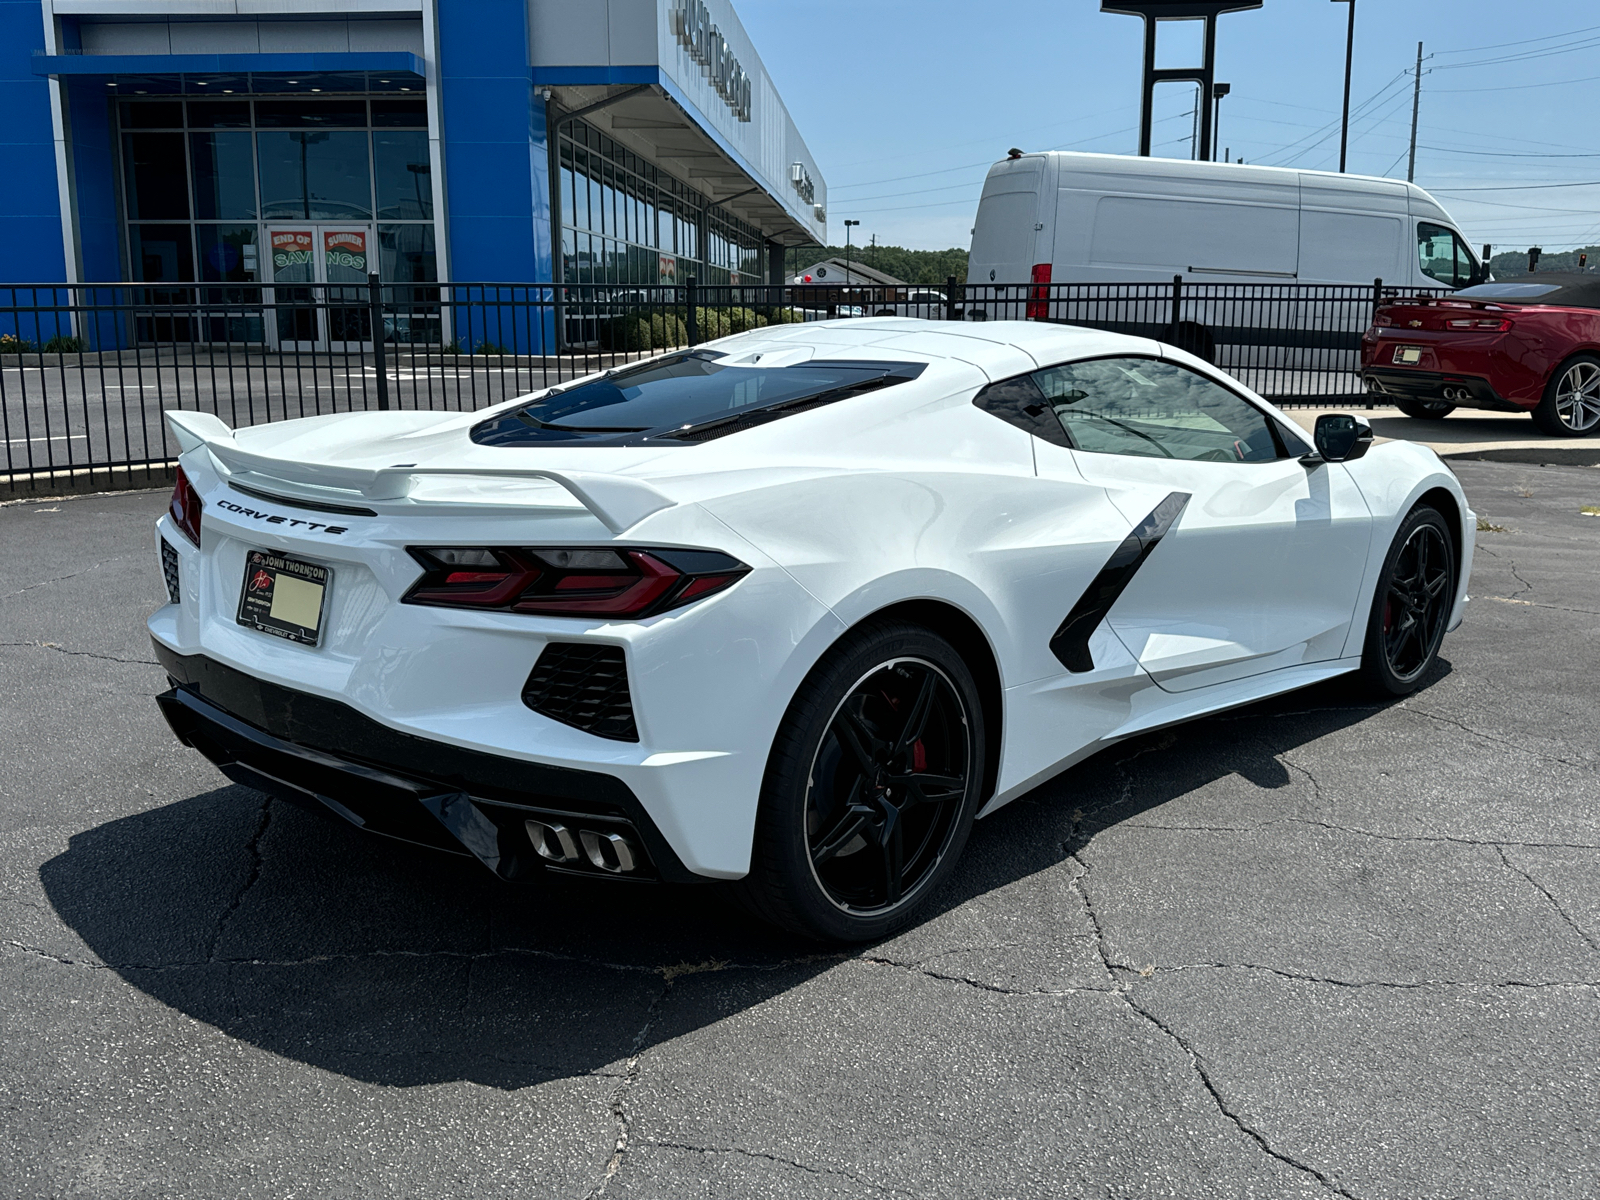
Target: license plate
[[284, 596], [1407, 356]]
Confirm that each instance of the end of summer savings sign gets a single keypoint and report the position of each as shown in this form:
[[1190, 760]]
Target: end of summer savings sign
[[294, 247]]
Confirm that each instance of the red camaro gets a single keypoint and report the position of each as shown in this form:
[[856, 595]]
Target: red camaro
[[1520, 345]]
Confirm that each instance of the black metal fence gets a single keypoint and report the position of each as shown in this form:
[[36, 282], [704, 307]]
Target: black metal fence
[[86, 371]]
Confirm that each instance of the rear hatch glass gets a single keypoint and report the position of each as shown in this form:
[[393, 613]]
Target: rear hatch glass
[[687, 397]]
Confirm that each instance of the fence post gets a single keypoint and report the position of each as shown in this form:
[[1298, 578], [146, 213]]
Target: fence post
[[375, 316], [1377, 295], [950, 298], [1177, 300], [692, 323]]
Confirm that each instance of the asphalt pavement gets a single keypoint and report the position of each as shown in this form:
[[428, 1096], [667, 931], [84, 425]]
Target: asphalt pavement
[[1318, 947]]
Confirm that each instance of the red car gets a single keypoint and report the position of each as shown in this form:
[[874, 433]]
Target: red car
[[1518, 345]]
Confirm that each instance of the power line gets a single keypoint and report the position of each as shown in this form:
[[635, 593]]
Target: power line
[[1517, 87], [1549, 37], [1519, 187]]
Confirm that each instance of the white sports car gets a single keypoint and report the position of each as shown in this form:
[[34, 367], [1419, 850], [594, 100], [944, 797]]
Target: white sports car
[[792, 608]]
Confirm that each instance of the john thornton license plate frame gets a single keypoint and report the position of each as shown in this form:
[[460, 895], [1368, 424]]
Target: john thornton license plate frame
[[286, 597], [1407, 356]]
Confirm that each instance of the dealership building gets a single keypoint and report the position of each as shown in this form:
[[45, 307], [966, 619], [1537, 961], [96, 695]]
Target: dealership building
[[166, 142]]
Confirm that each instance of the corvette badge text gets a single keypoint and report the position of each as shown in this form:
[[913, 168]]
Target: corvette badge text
[[270, 519]]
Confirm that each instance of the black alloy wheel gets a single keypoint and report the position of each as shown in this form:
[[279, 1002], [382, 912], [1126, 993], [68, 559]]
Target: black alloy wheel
[[871, 788], [1412, 605], [887, 785]]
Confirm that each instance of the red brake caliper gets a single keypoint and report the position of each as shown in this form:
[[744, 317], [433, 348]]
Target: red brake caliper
[[919, 757]]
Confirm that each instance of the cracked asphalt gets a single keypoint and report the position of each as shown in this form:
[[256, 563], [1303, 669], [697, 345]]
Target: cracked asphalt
[[1316, 947]]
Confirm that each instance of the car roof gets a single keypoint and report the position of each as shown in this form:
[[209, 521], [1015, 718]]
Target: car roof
[[992, 346]]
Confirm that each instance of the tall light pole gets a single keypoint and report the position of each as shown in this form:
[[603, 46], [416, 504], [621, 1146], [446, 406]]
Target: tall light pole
[[847, 226], [1218, 91], [1349, 58]]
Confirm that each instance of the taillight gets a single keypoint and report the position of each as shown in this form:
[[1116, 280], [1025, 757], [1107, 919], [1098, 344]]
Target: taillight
[[1488, 323], [1382, 319], [185, 507], [569, 581], [1039, 294]]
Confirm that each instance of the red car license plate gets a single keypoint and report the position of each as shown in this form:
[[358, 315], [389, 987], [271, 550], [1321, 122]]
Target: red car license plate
[[1407, 356]]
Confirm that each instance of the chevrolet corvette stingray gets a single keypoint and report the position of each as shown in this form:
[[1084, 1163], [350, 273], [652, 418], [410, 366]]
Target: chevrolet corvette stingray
[[792, 608]]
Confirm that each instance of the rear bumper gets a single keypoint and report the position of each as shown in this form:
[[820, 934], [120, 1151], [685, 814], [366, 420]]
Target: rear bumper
[[326, 756], [1431, 386]]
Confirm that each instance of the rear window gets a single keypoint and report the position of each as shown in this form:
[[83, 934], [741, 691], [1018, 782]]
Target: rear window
[[687, 397]]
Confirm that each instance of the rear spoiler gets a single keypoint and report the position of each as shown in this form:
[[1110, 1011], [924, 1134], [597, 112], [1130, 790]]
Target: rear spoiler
[[618, 501]]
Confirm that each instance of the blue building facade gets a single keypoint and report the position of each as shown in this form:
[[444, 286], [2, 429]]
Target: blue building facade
[[187, 142]]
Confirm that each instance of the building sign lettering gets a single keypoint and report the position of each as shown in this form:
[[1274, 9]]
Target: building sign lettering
[[691, 23], [801, 178]]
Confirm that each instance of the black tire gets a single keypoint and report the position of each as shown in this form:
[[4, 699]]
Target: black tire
[[1411, 605], [1424, 410], [828, 832], [1197, 340], [1571, 403], [886, 312]]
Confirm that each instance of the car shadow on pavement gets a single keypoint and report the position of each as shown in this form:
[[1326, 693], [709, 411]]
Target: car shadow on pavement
[[401, 966]]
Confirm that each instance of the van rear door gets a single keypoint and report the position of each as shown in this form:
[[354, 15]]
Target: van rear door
[[1004, 237]]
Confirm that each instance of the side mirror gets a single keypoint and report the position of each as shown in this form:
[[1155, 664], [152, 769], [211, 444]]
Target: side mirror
[[1341, 437]]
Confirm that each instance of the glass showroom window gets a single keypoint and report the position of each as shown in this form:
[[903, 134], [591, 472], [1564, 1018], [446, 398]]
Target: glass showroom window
[[204, 182], [626, 221]]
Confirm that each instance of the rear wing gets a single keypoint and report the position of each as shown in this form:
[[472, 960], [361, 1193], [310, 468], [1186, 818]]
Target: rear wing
[[618, 501]]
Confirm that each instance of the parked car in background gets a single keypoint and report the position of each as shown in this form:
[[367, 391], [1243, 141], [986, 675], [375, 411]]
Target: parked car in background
[[1059, 217], [1529, 345]]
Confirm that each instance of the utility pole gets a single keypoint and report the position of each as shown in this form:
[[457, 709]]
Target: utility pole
[[1416, 103], [1349, 58]]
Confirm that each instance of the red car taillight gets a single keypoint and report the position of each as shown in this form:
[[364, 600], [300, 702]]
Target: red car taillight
[[1498, 325], [563, 581], [1039, 294], [185, 507]]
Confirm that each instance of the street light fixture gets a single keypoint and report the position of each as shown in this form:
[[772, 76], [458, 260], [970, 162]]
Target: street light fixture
[[1349, 57]]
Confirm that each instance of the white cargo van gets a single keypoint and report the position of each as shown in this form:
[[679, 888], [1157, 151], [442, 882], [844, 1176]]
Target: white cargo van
[[1111, 218], [1062, 217]]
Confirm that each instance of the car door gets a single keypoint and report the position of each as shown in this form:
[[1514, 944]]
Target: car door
[[1260, 560]]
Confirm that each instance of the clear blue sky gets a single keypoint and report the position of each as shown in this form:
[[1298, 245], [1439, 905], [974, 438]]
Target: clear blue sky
[[904, 103]]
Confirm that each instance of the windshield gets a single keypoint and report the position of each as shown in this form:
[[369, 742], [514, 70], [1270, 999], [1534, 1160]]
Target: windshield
[[671, 396]]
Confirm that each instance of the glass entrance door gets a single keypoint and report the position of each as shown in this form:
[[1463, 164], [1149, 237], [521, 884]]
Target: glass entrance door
[[320, 292]]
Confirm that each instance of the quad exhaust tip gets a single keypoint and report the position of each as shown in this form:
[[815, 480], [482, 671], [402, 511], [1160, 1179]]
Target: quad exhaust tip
[[610, 852]]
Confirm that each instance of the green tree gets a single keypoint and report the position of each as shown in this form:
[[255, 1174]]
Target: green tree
[[1515, 262], [930, 267]]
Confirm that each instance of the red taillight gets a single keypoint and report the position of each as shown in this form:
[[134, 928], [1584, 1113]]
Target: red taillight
[[1483, 323], [1039, 294], [185, 507], [1383, 320], [562, 581]]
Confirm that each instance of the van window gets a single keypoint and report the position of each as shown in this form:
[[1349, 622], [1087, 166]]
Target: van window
[[1443, 255], [1154, 409], [1338, 247], [1195, 235], [1003, 236]]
